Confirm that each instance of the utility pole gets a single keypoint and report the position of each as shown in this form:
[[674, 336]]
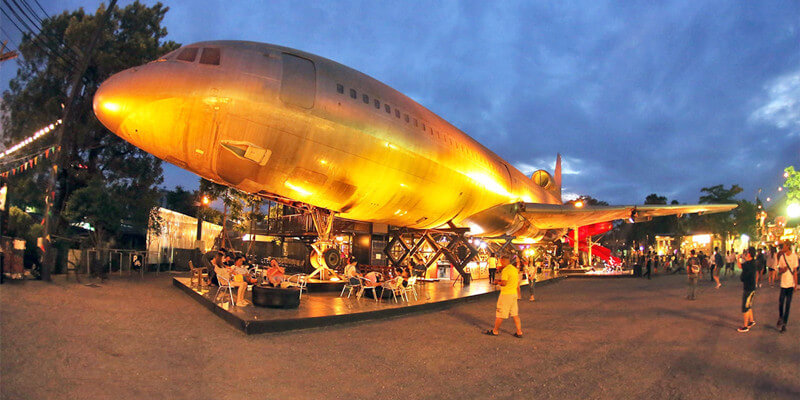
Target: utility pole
[[6, 55], [49, 259]]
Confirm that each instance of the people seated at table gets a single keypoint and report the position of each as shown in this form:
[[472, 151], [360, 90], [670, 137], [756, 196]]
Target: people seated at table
[[373, 278], [276, 275], [351, 269], [404, 274], [241, 268], [225, 274], [209, 263]]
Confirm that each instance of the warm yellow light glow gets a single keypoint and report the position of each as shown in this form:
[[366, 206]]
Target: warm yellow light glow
[[391, 146], [489, 183], [111, 106], [206, 200], [701, 239], [323, 162], [297, 189], [578, 204], [793, 210]]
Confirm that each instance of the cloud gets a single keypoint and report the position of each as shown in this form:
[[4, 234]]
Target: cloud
[[782, 107]]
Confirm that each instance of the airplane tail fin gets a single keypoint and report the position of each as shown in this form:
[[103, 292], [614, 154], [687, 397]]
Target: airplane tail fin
[[557, 177]]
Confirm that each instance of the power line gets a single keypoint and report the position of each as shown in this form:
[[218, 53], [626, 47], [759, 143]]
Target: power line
[[70, 56], [72, 50], [37, 42]]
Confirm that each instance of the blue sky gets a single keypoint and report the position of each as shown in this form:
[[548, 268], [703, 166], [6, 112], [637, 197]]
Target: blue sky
[[637, 97]]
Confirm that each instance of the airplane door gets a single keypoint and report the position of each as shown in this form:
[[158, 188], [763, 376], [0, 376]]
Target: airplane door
[[298, 82]]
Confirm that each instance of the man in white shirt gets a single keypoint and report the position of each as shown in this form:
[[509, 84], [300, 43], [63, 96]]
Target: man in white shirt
[[787, 272], [730, 259]]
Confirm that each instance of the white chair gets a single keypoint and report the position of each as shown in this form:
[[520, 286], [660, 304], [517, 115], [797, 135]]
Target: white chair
[[366, 284], [411, 287], [224, 284], [352, 284], [396, 287], [300, 281]]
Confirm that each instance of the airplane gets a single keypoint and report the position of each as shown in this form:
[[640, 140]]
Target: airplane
[[307, 131]]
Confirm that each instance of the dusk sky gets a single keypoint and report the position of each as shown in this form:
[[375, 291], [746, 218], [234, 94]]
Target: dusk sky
[[664, 97]]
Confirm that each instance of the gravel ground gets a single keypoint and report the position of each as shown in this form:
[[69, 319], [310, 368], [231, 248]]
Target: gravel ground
[[617, 338]]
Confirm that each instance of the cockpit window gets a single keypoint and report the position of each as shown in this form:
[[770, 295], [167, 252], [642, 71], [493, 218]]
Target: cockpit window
[[210, 56], [169, 55], [188, 54]]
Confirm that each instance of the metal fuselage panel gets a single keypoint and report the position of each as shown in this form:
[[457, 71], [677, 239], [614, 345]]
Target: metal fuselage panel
[[229, 123]]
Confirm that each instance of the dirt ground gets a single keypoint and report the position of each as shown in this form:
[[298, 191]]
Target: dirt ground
[[621, 338]]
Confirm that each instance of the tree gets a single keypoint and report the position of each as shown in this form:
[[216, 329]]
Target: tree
[[112, 169], [721, 224], [96, 206], [587, 201], [181, 200], [744, 218], [232, 203], [792, 184]]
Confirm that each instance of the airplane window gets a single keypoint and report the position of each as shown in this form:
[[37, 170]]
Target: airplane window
[[353, 93], [188, 54], [210, 56], [407, 119], [377, 104], [415, 122], [397, 113], [365, 98], [387, 108], [340, 88]]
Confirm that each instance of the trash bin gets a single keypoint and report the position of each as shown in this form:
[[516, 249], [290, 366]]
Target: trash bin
[[467, 279], [637, 271]]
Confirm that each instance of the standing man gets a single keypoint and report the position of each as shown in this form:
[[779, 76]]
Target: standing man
[[507, 300], [693, 275], [748, 279], [492, 263], [730, 259], [717, 266], [787, 271], [648, 265]]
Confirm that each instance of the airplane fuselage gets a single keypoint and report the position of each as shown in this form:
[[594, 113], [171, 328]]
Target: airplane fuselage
[[278, 121]]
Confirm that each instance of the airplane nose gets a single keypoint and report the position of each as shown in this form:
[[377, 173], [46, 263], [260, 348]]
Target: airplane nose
[[114, 101]]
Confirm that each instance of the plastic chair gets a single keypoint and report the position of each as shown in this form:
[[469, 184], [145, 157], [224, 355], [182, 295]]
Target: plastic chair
[[352, 283], [199, 275], [410, 287], [396, 287], [224, 284], [365, 287], [300, 281]]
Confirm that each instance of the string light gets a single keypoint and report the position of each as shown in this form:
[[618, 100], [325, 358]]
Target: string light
[[41, 132], [30, 162]]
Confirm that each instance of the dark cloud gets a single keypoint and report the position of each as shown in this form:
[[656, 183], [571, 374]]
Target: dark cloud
[[639, 97]]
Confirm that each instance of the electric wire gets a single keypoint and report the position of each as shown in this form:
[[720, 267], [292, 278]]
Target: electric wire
[[42, 36], [37, 42]]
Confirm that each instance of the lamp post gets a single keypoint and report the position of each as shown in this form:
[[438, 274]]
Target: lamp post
[[203, 202]]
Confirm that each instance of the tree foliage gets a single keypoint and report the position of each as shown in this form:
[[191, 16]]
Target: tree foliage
[[115, 170], [792, 184], [721, 224]]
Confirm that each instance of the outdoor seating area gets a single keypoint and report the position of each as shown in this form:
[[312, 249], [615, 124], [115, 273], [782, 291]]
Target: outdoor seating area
[[280, 309]]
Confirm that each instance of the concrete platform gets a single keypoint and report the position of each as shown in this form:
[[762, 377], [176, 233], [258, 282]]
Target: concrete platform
[[325, 309]]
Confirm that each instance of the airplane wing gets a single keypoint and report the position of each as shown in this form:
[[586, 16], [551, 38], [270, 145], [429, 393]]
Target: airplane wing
[[555, 216]]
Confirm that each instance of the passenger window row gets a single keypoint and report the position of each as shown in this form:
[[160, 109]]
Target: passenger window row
[[210, 55], [407, 118]]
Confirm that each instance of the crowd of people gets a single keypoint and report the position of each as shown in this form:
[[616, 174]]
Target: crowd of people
[[777, 266]]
